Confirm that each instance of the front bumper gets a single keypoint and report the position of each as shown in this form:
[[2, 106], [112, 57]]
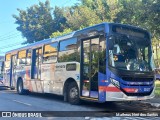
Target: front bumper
[[120, 96]]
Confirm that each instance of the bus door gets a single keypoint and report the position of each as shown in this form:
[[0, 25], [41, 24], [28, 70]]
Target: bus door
[[36, 70], [89, 68], [93, 64], [13, 71], [36, 64]]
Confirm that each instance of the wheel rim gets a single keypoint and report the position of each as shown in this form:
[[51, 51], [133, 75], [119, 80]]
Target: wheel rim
[[73, 93]]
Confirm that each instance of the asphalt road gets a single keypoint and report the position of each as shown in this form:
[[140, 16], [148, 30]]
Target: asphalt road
[[11, 101]]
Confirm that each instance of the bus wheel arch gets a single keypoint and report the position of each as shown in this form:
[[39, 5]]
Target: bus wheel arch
[[20, 89], [71, 85]]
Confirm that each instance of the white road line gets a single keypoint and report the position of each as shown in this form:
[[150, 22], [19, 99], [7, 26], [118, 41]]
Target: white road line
[[22, 102]]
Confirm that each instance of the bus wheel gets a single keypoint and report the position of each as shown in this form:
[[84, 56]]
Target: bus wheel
[[12, 88], [20, 89], [73, 94]]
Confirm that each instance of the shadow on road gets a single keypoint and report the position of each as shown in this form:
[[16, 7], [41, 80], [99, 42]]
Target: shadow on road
[[3, 88], [123, 106], [58, 98], [107, 106]]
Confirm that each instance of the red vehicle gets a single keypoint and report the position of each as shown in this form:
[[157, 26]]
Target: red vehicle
[[157, 73]]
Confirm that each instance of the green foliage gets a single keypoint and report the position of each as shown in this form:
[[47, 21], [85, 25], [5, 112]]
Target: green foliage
[[91, 12], [80, 17], [55, 34], [35, 23], [70, 57], [60, 22], [142, 13], [157, 90]]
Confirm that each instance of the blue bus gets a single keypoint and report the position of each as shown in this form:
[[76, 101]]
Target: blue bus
[[104, 62]]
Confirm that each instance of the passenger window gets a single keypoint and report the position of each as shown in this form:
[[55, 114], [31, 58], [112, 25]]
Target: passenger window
[[71, 67], [22, 57], [8, 60], [28, 59], [50, 53], [68, 44], [68, 50], [8, 57]]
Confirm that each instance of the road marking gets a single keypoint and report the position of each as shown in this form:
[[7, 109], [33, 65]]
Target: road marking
[[22, 102]]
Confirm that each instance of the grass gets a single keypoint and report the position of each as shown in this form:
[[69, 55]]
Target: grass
[[157, 90]]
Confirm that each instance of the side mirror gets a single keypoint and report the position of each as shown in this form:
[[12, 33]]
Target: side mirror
[[111, 42]]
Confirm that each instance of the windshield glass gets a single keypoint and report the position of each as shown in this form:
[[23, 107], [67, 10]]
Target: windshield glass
[[130, 53]]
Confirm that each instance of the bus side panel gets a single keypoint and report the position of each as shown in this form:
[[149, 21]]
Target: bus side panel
[[22, 72], [6, 77], [27, 78], [33, 85], [102, 79], [62, 74], [47, 76]]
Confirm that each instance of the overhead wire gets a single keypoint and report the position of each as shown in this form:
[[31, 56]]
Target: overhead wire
[[20, 43], [13, 35]]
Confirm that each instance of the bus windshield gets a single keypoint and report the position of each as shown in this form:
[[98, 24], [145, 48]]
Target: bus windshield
[[130, 53]]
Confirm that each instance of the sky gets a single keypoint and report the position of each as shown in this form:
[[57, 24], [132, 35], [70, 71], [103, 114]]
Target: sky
[[10, 38]]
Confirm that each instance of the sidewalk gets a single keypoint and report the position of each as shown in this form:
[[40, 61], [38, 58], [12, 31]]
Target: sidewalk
[[154, 102]]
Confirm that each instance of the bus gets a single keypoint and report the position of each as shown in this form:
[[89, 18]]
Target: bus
[[104, 62], [1, 69]]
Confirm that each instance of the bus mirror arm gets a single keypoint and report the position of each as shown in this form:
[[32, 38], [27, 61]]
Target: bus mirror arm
[[111, 43]]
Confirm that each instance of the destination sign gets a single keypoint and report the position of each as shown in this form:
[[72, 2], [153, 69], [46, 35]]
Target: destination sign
[[130, 31]]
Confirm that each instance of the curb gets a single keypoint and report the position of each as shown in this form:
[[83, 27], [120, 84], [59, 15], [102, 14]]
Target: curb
[[157, 105]]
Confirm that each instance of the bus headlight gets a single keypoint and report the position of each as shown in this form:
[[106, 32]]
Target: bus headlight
[[115, 82]]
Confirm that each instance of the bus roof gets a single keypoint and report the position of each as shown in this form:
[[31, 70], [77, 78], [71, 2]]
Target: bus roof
[[67, 36], [59, 38]]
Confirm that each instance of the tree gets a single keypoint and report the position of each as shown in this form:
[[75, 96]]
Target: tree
[[130, 13], [87, 13], [36, 22], [60, 21], [58, 33], [142, 13], [81, 16], [106, 10]]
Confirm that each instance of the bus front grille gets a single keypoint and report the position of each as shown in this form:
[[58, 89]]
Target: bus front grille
[[137, 79], [138, 94]]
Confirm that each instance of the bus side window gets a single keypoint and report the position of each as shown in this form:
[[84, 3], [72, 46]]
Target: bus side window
[[22, 57], [68, 50], [102, 55], [8, 60], [28, 58], [50, 53]]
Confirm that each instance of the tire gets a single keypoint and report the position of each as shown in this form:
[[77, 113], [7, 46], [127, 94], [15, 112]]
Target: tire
[[12, 88], [20, 89], [73, 94]]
